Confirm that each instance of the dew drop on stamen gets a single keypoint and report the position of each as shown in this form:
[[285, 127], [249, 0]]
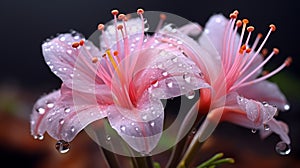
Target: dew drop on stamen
[[282, 148], [190, 94], [41, 110], [62, 146]]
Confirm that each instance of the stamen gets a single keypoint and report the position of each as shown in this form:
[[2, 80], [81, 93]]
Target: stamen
[[140, 11], [115, 13], [249, 29], [81, 42], [111, 59], [101, 28], [162, 17], [121, 16], [95, 59], [75, 45]]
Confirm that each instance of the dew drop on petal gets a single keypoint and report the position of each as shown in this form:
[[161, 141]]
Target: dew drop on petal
[[165, 73], [61, 121], [155, 83], [108, 138], [38, 136], [72, 129], [282, 148], [152, 123], [62, 146], [50, 105], [253, 130], [187, 78], [123, 128], [174, 59], [67, 110], [190, 94], [266, 127], [41, 110], [169, 84], [144, 117]]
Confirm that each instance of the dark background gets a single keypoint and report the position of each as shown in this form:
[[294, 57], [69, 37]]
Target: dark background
[[24, 76]]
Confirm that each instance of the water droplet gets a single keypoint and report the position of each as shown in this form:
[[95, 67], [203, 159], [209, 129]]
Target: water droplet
[[147, 27], [108, 138], [165, 73], [265, 103], [266, 127], [50, 105], [253, 130], [61, 121], [175, 59], [169, 84], [144, 117], [62, 38], [155, 83], [123, 128], [187, 78], [190, 94], [69, 52], [67, 109], [49, 119], [136, 128], [152, 123], [282, 148], [62, 146], [72, 129], [38, 136], [41, 110], [286, 107]]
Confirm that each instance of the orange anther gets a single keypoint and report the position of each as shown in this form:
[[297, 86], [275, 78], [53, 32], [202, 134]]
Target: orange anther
[[100, 27], [114, 12], [116, 53], [121, 16], [288, 61], [276, 51], [75, 44], [104, 55], [81, 42], [243, 47], [163, 16], [140, 11], [273, 27], [238, 23], [233, 16], [236, 12], [119, 27], [264, 52], [245, 21], [265, 72], [259, 35], [94, 59], [248, 50], [250, 29]]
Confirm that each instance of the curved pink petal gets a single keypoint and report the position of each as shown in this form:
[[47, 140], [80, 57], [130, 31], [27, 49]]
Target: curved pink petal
[[40, 111], [140, 127], [191, 29], [74, 110], [72, 65], [265, 91], [278, 127]]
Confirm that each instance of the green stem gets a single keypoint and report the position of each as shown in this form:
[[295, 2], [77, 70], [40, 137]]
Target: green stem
[[144, 162], [208, 162], [190, 153], [111, 158]]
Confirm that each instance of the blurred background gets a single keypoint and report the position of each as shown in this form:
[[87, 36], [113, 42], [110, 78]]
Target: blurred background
[[24, 76]]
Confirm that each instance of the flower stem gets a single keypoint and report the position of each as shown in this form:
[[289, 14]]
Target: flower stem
[[110, 157], [190, 153], [145, 162]]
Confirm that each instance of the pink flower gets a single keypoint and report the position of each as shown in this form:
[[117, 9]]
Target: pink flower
[[124, 81], [239, 91]]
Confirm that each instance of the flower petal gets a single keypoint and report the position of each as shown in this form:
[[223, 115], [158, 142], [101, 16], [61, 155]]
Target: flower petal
[[141, 127], [74, 111], [279, 128], [268, 92], [191, 29], [72, 65], [41, 108], [256, 112]]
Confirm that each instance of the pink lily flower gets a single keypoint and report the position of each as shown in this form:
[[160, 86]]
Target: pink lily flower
[[122, 81], [239, 92]]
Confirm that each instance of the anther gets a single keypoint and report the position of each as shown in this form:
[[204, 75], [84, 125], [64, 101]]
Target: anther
[[94, 59], [120, 27], [259, 35], [288, 61], [233, 16], [114, 12], [100, 27], [140, 11], [121, 16], [264, 73], [104, 55], [163, 16], [116, 53], [81, 42], [248, 50], [245, 21], [276, 51], [75, 44], [236, 12], [273, 27], [264, 52], [239, 23], [250, 29]]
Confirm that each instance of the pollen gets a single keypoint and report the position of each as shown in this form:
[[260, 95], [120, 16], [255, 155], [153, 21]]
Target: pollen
[[81, 42], [140, 11], [273, 27], [288, 61], [121, 16], [100, 27], [94, 59], [276, 51], [116, 53], [250, 29], [75, 45], [114, 12]]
